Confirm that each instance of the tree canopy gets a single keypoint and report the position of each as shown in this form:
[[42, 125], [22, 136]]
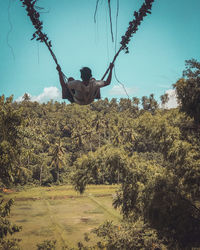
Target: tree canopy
[[151, 152]]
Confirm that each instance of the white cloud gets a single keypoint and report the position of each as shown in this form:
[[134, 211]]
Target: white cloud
[[49, 93], [172, 103], [118, 90]]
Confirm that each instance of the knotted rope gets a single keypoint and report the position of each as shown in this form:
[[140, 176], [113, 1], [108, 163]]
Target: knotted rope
[[38, 35], [133, 27]]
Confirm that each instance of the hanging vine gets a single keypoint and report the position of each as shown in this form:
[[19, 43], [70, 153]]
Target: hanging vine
[[110, 16], [34, 16], [133, 27]]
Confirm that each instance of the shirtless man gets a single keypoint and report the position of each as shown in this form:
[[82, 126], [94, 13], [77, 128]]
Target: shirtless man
[[83, 92]]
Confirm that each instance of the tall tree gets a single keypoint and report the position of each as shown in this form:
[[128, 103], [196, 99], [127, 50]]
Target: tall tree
[[188, 90], [164, 99], [149, 103], [10, 122], [6, 227], [57, 159]]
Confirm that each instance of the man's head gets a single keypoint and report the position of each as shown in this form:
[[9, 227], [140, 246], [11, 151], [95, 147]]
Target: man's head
[[86, 73]]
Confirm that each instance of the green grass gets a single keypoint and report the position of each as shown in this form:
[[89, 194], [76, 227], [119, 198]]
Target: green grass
[[61, 213]]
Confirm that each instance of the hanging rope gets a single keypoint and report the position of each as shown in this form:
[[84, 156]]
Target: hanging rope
[[116, 32], [10, 30], [133, 27], [38, 35], [110, 16], [116, 25], [107, 40], [95, 13]]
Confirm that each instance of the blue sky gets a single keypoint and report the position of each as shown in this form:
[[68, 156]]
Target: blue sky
[[156, 60]]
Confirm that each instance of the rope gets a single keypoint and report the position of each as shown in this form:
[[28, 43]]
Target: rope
[[11, 28], [121, 84], [107, 40], [110, 16], [115, 57], [116, 24], [133, 27], [38, 35], [95, 13], [116, 31]]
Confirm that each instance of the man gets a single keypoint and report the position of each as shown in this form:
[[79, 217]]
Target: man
[[83, 92]]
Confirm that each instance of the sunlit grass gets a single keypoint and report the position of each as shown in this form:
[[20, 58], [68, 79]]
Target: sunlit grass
[[61, 213], [61, 191]]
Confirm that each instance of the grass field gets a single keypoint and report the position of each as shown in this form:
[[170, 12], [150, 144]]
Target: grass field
[[60, 213]]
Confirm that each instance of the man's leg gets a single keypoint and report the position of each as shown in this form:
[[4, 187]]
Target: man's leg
[[98, 94], [66, 94]]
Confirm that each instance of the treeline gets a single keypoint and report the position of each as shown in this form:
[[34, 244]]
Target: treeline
[[44, 143], [152, 152]]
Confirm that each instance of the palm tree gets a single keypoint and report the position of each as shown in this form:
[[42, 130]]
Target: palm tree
[[57, 158], [164, 99]]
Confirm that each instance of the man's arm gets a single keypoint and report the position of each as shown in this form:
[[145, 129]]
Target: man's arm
[[101, 83], [108, 80], [62, 82]]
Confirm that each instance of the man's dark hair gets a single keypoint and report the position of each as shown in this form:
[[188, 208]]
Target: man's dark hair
[[86, 73]]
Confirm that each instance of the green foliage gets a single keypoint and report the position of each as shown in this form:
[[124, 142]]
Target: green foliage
[[47, 245], [188, 90], [164, 99], [10, 122], [175, 217], [150, 103], [105, 166], [153, 153], [132, 194], [57, 161], [6, 227], [128, 236], [12, 244]]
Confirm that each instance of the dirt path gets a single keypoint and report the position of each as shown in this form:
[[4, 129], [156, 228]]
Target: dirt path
[[59, 230], [106, 209]]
